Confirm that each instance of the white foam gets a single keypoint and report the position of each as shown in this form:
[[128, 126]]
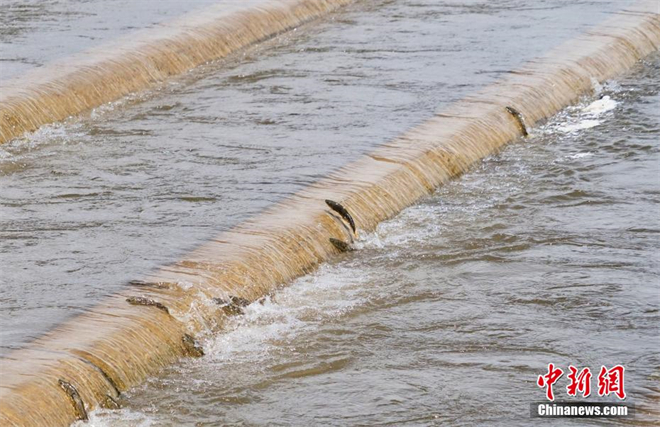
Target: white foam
[[581, 125], [368, 240], [600, 106], [580, 155], [330, 292], [585, 117], [195, 313], [55, 133], [117, 418]]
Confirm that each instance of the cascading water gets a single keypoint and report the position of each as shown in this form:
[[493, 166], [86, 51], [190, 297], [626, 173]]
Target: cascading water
[[132, 335]]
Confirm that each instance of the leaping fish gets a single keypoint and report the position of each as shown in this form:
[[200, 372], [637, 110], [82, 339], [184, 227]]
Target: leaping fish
[[519, 118], [78, 405], [341, 211]]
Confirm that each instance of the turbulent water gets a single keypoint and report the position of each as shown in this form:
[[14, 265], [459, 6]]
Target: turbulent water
[[91, 204], [447, 314]]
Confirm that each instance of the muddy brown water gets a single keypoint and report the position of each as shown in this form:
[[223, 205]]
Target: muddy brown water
[[545, 253]]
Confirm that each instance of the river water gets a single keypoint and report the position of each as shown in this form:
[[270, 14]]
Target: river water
[[447, 314], [546, 253], [36, 32]]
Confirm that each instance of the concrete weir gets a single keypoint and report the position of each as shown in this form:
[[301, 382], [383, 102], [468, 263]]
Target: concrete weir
[[87, 361], [140, 60]]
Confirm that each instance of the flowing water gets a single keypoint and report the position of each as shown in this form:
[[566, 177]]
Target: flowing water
[[545, 253], [448, 313], [91, 204], [36, 32]]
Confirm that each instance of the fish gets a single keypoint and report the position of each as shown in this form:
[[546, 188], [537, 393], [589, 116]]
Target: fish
[[78, 404], [109, 402], [341, 245], [147, 302], [144, 284], [341, 211], [192, 348], [233, 304], [519, 118]]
